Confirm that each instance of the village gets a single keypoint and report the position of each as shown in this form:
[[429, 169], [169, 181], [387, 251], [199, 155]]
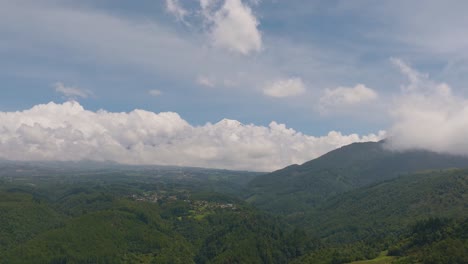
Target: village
[[197, 208]]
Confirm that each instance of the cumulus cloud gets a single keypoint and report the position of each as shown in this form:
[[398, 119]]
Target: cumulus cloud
[[235, 28], [69, 132], [346, 96], [71, 92], [155, 92], [428, 116], [230, 24], [285, 88]]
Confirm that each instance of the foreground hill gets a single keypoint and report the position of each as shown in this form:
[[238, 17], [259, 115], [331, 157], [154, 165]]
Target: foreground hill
[[299, 188], [413, 217], [429, 241]]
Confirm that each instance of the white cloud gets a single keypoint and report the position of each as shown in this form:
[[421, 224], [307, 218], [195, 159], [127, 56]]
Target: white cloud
[[415, 78], [343, 97], [234, 27], [428, 116], [150, 46], [285, 88], [130, 42], [174, 7], [71, 92], [69, 132], [230, 24], [205, 81], [206, 5], [155, 92]]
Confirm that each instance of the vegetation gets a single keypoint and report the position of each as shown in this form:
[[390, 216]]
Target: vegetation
[[434, 240], [359, 204], [300, 188], [379, 211], [383, 258], [83, 220]]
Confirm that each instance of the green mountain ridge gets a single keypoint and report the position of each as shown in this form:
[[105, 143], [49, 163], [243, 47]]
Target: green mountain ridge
[[364, 222], [387, 206], [299, 188]]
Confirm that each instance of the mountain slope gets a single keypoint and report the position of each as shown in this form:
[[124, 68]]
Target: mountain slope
[[399, 215], [385, 208], [300, 187]]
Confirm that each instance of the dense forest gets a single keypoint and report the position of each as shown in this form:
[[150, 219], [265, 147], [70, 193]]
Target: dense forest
[[348, 206], [105, 220]]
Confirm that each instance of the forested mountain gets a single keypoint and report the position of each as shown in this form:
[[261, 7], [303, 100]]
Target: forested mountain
[[356, 203], [299, 188], [428, 241], [382, 209], [78, 219]]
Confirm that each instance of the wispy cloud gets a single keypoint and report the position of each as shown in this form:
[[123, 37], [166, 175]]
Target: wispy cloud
[[415, 78], [205, 81], [71, 92], [174, 7], [146, 44], [156, 47], [154, 92]]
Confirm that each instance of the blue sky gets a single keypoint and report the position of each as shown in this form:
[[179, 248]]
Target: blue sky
[[315, 66]]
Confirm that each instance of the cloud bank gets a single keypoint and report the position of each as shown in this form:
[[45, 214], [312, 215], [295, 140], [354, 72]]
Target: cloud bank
[[427, 115], [68, 132]]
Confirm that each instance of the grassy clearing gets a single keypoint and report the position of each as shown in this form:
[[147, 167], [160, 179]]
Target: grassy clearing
[[381, 259]]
